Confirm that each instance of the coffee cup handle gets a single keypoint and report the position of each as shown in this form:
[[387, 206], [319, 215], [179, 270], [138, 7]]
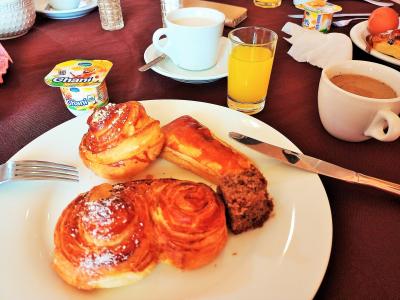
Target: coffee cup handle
[[166, 49], [378, 124]]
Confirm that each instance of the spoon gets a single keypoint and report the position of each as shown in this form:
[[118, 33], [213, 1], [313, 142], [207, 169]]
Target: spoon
[[343, 23], [152, 63], [379, 3]]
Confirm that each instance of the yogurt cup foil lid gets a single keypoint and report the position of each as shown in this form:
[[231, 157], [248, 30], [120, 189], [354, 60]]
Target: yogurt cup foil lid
[[78, 73], [320, 7]]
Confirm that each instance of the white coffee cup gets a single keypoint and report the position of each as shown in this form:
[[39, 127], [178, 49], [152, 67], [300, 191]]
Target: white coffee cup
[[193, 37], [64, 4], [355, 118]]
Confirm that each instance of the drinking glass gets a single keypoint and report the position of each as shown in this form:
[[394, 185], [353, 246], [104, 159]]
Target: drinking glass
[[267, 3], [168, 6], [110, 14], [249, 67]]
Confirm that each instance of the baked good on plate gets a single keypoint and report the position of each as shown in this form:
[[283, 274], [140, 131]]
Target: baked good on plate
[[387, 43], [243, 188], [114, 235], [384, 35], [189, 222], [104, 239], [121, 141]]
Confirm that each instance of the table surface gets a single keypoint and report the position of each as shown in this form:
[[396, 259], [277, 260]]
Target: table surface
[[365, 259]]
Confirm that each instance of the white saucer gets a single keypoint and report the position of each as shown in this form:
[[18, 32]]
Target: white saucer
[[167, 68], [85, 7]]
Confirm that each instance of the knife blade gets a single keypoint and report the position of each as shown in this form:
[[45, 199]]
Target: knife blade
[[314, 165], [300, 16]]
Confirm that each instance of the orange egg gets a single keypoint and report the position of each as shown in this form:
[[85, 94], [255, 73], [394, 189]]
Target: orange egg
[[383, 19]]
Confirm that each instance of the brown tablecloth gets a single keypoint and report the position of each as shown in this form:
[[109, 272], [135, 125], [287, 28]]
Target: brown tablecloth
[[365, 259]]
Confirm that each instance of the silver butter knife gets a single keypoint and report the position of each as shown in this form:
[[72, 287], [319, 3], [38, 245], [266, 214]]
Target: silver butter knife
[[336, 15], [315, 165], [152, 63]]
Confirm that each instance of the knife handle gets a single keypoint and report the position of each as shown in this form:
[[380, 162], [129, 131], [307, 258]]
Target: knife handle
[[379, 183]]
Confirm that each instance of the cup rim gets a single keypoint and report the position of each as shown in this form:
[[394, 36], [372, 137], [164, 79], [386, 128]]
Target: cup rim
[[230, 36], [220, 20], [70, 6], [362, 98]]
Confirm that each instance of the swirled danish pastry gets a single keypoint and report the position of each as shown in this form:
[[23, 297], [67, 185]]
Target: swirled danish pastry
[[114, 235], [104, 238], [121, 141], [189, 222]]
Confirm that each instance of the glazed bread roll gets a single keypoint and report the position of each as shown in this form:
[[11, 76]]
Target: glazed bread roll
[[189, 221], [104, 239], [114, 235], [192, 146], [121, 141]]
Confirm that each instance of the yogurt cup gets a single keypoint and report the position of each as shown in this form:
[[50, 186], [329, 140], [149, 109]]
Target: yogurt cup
[[318, 14], [81, 83]]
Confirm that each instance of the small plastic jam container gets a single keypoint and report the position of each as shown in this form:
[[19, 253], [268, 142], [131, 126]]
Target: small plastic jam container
[[318, 14], [82, 84]]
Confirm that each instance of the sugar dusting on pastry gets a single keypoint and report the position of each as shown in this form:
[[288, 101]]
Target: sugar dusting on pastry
[[107, 237], [94, 260], [121, 141], [102, 213], [101, 114]]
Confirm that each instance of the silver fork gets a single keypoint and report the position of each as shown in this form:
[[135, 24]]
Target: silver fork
[[343, 23], [37, 170]]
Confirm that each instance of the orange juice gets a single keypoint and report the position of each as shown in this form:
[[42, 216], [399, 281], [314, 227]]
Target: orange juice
[[249, 70], [268, 3]]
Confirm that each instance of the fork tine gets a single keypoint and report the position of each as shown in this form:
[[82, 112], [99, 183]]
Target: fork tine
[[36, 169], [44, 177], [44, 172], [40, 163]]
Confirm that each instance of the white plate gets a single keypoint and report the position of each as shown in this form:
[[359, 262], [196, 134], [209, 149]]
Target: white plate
[[358, 35], [285, 259], [85, 7], [167, 68]]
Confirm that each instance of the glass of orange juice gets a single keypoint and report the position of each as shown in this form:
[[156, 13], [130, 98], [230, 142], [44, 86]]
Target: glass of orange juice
[[267, 3], [249, 67]]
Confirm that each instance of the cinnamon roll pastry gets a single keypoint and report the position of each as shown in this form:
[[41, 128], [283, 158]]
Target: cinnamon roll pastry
[[189, 222], [104, 238], [121, 141], [114, 235], [193, 146]]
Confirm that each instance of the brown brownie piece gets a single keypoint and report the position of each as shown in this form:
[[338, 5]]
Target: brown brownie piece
[[246, 199]]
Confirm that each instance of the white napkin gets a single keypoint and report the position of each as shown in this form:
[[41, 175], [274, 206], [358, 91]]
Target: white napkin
[[317, 48], [5, 59]]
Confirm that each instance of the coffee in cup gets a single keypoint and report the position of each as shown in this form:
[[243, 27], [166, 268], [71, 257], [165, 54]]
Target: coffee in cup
[[358, 100], [193, 37], [363, 86]]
